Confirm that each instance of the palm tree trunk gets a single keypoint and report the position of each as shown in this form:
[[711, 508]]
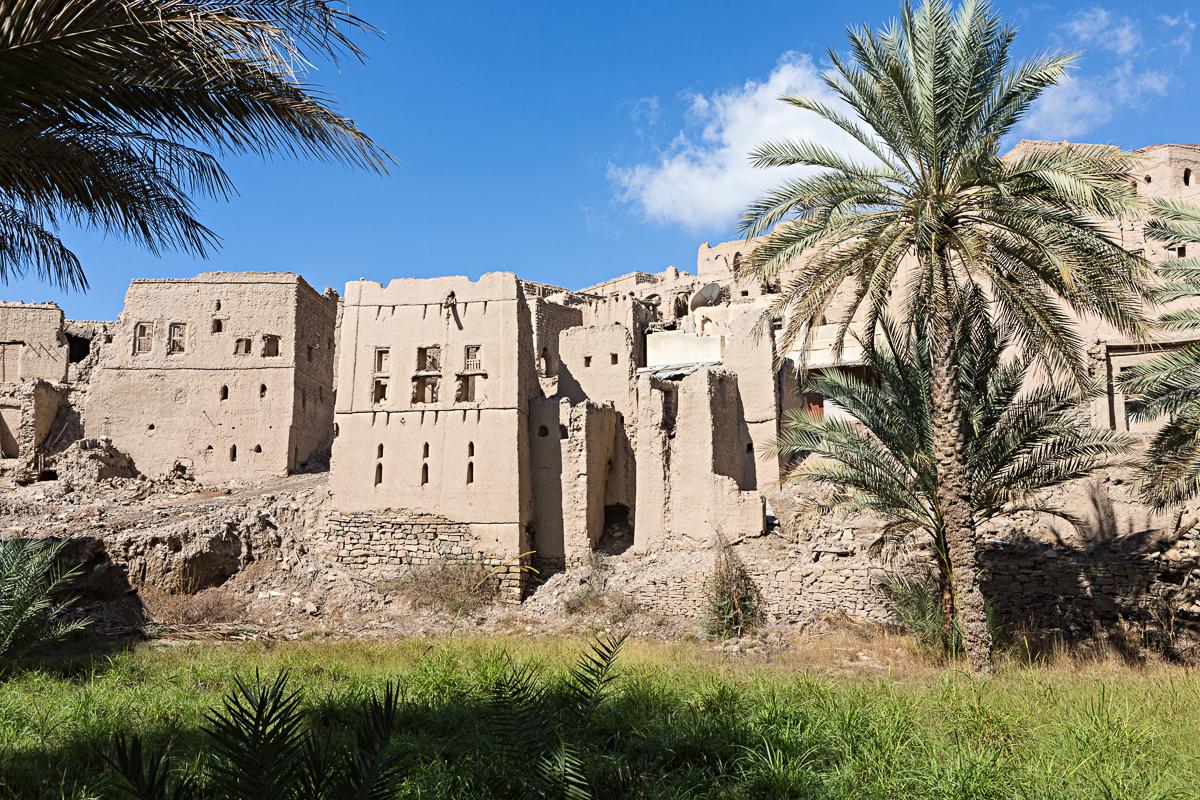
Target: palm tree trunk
[[954, 499]]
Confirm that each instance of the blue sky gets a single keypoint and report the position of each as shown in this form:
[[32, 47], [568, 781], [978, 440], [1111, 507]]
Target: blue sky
[[572, 142]]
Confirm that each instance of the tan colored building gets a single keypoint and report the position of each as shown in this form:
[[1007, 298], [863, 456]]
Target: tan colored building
[[229, 374], [435, 379]]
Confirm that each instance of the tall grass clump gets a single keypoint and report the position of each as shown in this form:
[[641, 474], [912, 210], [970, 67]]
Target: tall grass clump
[[31, 580], [732, 603]]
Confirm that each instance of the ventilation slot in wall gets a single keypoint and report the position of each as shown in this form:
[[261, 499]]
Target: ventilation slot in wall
[[470, 472], [424, 474], [224, 392], [378, 474], [562, 432], [379, 452], [262, 390], [233, 452], [425, 451]]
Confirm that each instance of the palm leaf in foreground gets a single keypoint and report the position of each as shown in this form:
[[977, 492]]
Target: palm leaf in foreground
[[1169, 386], [31, 578], [105, 103]]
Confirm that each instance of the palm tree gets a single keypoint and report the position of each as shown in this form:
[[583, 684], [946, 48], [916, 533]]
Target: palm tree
[[934, 211], [1170, 384], [107, 104], [1020, 438]]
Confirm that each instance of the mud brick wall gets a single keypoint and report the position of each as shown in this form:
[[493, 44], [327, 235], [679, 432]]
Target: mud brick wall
[[388, 544]]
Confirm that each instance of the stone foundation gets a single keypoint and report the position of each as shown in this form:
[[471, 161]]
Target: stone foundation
[[388, 544]]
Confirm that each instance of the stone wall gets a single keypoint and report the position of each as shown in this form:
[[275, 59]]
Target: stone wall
[[384, 545], [549, 320]]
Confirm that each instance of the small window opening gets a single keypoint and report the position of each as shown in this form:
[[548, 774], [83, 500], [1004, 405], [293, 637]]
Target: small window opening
[[224, 392], [429, 359], [258, 448], [150, 427], [1147, 179], [424, 474], [562, 432], [209, 448], [218, 325], [217, 306], [270, 346], [233, 452], [613, 359], [304, 398], [142, 337], [382, 357], [543, 431], [471, 361], [777, 323], [1187, 177], [745, 292], [425, 451], [175, 337], [470, 472], [262, 390], [466, 388], [425, 389], [749, 448], [310, 352], [587, 361], [470, 449], [379, 395], [378, 474], [379, 451], [241, 347]]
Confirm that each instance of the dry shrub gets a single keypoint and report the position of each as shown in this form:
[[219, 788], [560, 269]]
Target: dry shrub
[[215, 605], [733, 605], [447, 586]]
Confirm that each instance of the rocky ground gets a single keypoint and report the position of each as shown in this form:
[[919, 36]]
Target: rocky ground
[[175, 560]]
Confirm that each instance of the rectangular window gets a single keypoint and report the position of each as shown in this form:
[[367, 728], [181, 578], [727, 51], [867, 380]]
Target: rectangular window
[[310, 352], [429, 359], [425, 389], [270, 345], [379, 394], [587, 361], [241, 347], [142, 336], [613, 358], [471, 361], [382, 358], [175, 336], [466, 388], [218, 325]]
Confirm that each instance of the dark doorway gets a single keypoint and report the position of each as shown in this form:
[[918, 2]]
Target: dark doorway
[[78, 348], [618, 533]]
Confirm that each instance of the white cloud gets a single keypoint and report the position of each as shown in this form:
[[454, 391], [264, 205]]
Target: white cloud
[[705, 180], [1069, 109], [1101, 27], [1186, 28]]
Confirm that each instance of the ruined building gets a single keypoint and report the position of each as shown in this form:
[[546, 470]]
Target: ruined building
[[501, 420], [228, 374]]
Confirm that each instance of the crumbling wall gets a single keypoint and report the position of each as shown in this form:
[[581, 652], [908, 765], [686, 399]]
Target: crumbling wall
[[690, 463], [32, 344], [572, 448]]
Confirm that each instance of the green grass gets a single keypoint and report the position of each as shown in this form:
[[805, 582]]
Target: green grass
[[679, 722]]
